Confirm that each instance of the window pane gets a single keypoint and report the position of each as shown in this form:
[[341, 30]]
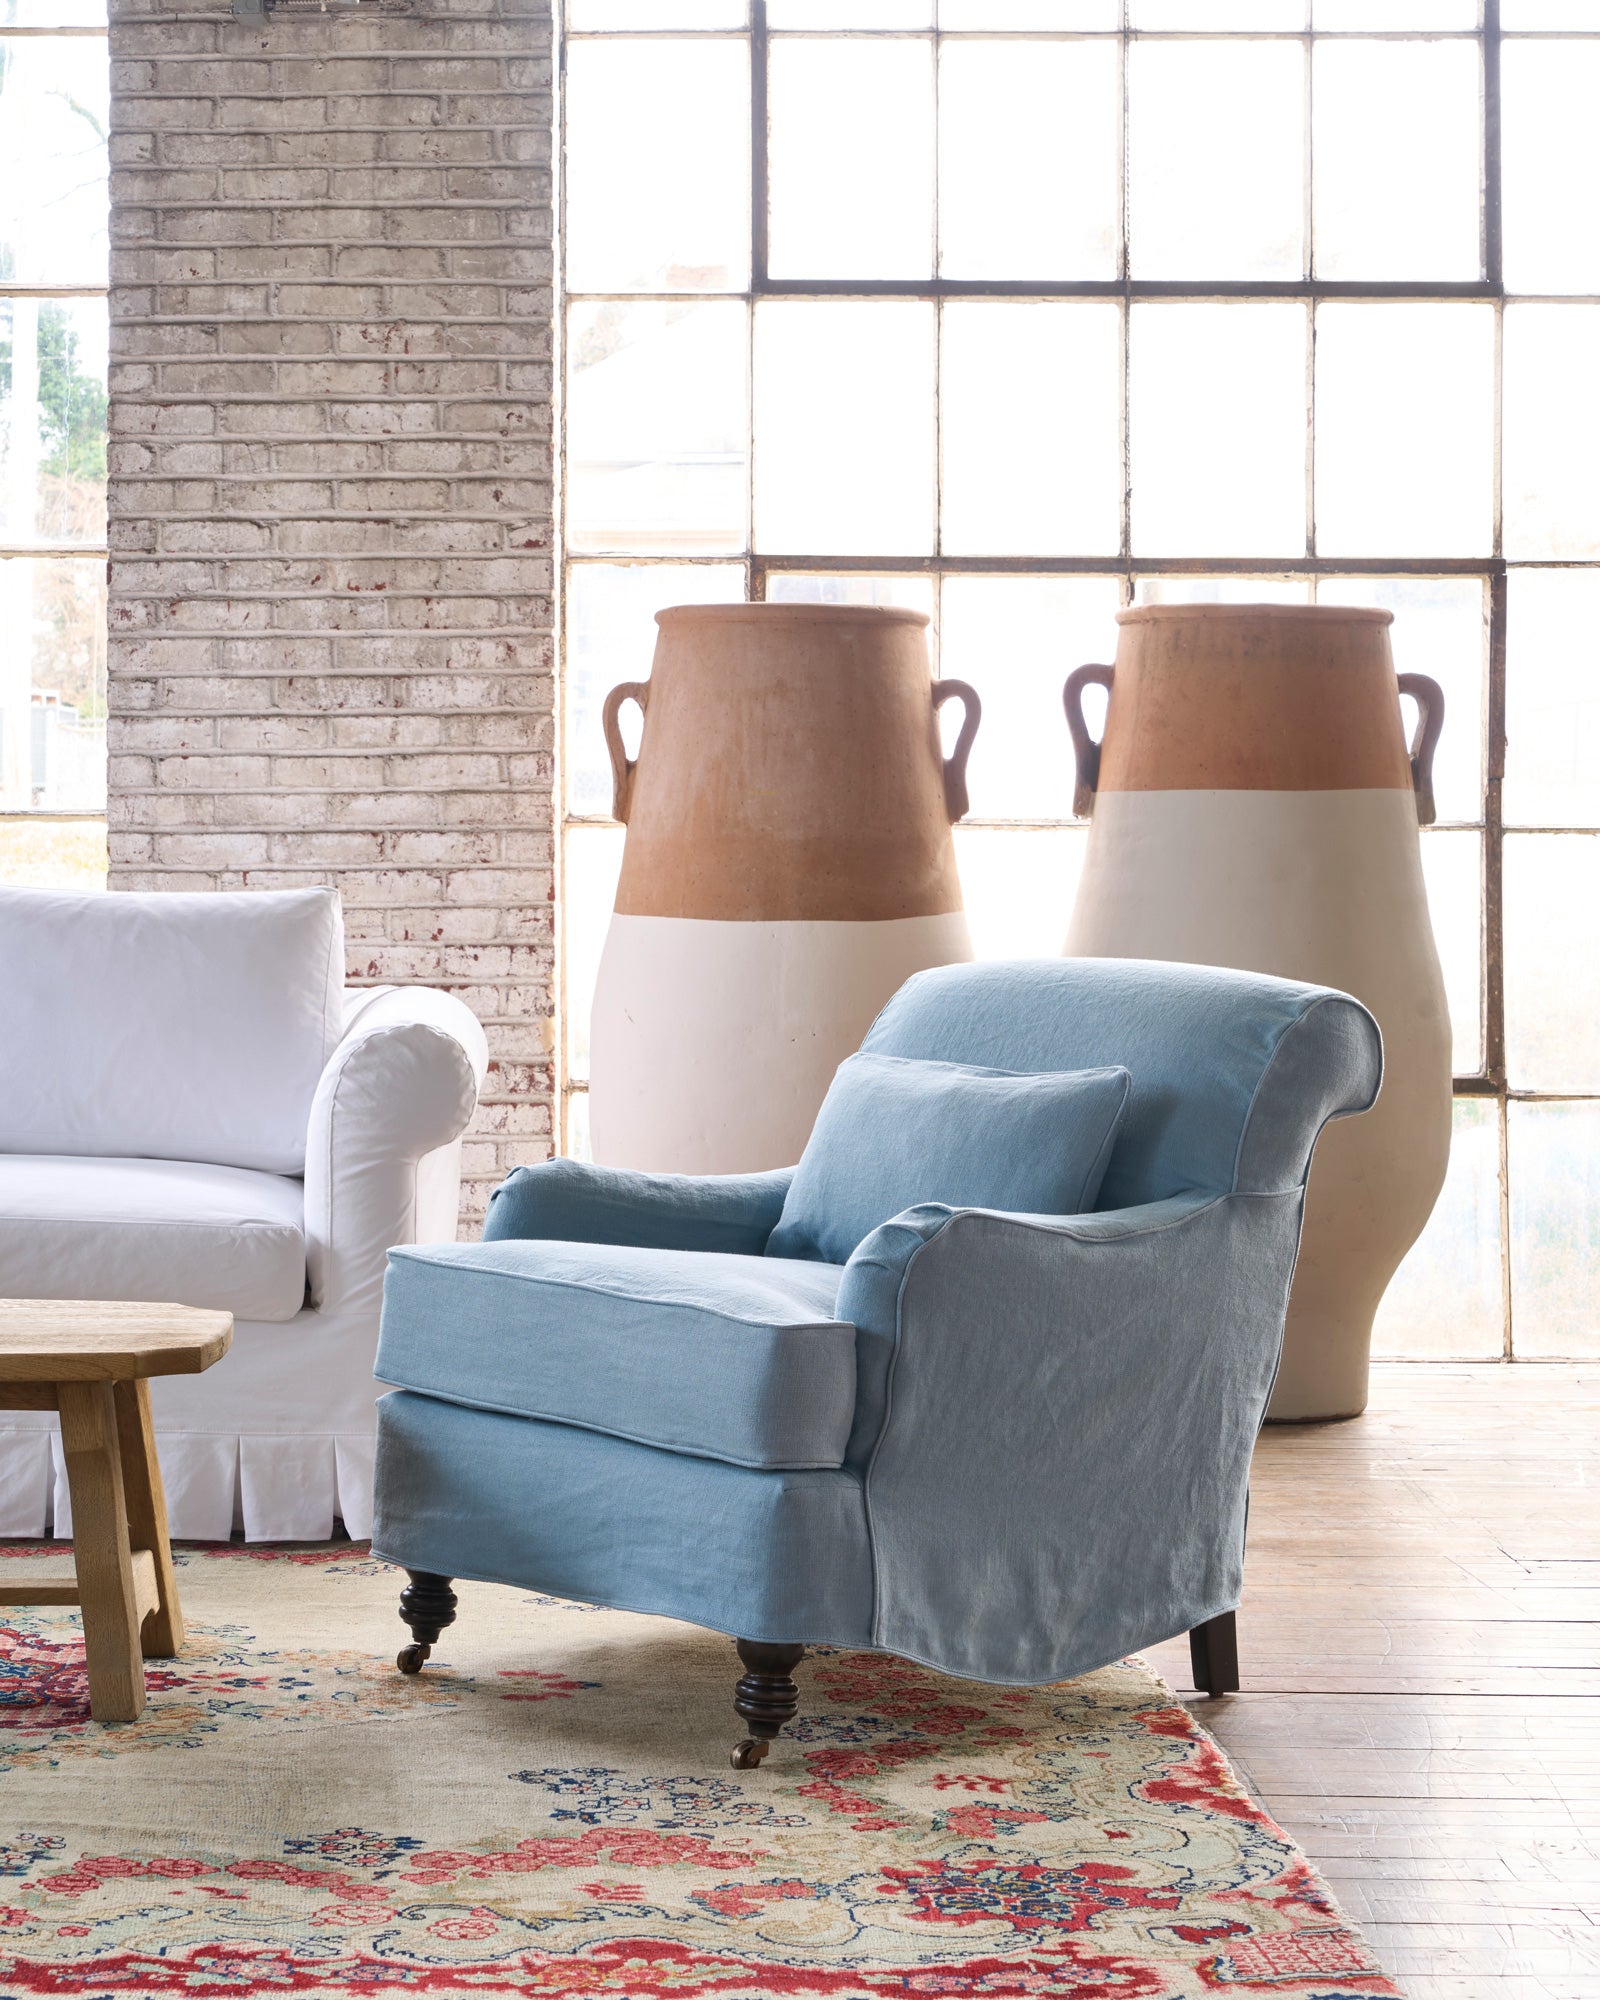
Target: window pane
[[1029, 137], [684, 107], [611, 637], [912, 593], [1018, 887], [1452, 867], [590, 14], [1444, 1303], [1016, 639], [52, 684], [55, 855], [1199, 15], [1440, 628], [1397, 147], [1405, 430], [844, 427], [592, 859], [53, 421], [1029, 401], [1222, 590], [1219, 429], [1554, 1158], [656, 416], [1394, 16], [849, 13], [1000, 16], [54, 115], [1552, 925], [57, 14], [1551, 165], [1549, 14], [1552, 431], [1553, 698], [851, 159], [1216, 159], [1029, 143]]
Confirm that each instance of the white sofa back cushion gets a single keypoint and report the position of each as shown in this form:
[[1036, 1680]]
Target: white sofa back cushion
[[167, 1027]]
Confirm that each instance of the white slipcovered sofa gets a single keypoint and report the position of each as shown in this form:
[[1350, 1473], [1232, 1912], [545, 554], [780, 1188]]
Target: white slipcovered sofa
[[194, 1109]]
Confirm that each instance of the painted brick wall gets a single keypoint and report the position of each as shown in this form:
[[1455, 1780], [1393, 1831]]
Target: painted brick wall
[[331, 647]]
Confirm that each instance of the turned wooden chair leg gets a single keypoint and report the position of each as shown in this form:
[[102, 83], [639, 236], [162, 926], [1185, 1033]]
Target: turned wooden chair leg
[[1214, 1655], [765, 1697], [428, 1605]]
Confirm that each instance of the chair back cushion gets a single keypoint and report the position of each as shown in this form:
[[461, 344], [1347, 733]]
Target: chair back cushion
[[170, 1027], [894, 1132], [1234, 1073]]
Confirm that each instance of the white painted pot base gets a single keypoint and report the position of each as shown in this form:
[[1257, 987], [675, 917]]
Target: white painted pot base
[[1320, 886], [713, 1043]]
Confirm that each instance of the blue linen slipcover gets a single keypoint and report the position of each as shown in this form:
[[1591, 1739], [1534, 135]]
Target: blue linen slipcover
[[732, 1357], [1049, 1431]]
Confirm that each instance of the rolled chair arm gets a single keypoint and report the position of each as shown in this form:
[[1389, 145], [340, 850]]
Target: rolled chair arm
[[571, 1201], [1057, 1467], [402, 1083]]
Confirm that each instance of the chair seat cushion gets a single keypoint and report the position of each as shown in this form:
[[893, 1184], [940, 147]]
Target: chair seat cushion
[[705, 1352], [163, 1230]]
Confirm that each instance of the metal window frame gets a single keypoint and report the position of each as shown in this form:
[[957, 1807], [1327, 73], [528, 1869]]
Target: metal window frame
[[1489, 1082], [54, 551]]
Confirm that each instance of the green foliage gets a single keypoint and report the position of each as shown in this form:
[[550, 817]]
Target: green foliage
[[72, 404]]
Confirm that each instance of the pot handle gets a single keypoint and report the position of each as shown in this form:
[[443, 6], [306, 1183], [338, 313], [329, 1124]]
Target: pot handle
[[955, 765], [1429, 697], [622, 767], [1084, 746]]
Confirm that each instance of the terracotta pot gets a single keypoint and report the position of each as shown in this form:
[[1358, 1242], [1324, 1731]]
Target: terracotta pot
[[1255, 804], [788, 864]]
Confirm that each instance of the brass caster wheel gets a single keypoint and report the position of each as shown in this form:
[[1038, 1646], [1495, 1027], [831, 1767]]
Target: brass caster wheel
[[409, 1659], [747, 1755]]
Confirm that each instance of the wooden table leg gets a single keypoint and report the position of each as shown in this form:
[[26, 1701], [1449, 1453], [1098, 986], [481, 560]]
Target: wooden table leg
[[101, 1553], [146, 1502]]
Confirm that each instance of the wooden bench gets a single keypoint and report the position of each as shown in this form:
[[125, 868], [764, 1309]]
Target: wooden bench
[[89, 1361]]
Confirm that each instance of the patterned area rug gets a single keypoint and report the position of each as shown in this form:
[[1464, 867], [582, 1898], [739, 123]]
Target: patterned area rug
[[549, 1810]]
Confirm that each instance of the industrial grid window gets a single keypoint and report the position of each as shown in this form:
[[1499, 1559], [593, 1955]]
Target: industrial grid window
[[1022, 310], [54, 115]]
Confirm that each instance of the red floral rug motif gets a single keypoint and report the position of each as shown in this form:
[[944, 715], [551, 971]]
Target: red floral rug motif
[[547, 1810]]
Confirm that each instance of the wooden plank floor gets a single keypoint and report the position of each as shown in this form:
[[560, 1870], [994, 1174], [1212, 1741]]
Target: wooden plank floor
[[1420, 1652]]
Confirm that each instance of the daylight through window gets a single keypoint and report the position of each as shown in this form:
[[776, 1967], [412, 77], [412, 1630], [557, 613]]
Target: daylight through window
[[53, 338], [1040, 307]]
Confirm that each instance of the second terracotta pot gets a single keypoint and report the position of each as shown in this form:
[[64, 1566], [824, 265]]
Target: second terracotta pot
[[1255, 804], [788, 864]]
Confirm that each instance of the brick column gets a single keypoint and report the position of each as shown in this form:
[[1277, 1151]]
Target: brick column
[[331, 653]]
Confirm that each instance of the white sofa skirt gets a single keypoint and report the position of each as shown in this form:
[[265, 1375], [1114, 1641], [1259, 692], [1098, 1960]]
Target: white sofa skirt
[[276, 1439], [284, 1489]]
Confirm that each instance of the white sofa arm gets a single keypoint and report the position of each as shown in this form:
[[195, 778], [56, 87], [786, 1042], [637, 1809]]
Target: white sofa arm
[[401, 1085]]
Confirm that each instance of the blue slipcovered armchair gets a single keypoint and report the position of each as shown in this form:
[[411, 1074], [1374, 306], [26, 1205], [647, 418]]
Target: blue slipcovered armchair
[[1009, 1446]]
